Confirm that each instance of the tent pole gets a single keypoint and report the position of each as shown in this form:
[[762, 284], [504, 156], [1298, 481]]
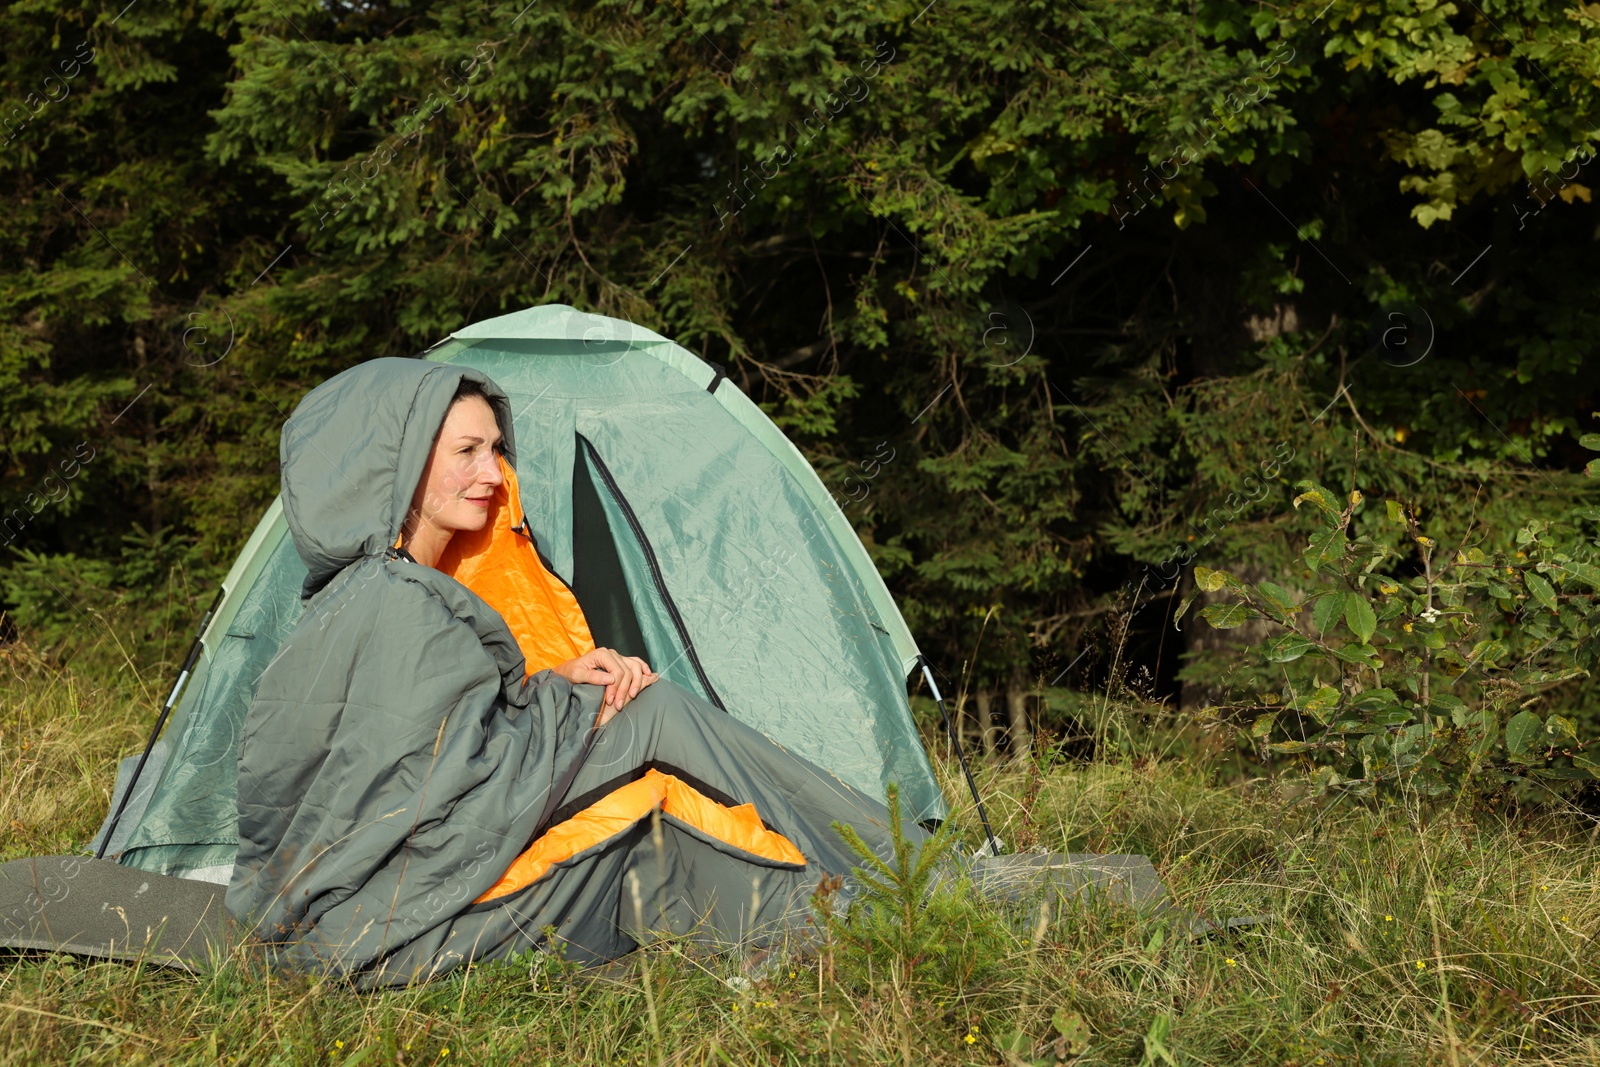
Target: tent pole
[[161, 720], [955, 739]]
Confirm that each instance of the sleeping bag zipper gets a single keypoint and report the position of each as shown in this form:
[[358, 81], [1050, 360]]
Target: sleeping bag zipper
[[655, 569]]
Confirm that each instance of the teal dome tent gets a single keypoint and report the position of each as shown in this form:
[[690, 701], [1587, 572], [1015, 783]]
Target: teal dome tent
[[692, 532]]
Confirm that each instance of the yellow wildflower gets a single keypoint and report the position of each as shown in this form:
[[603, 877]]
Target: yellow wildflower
[[1388, 918], [337, 1043], [1231, 962], [969, 1039], [1421, 966]]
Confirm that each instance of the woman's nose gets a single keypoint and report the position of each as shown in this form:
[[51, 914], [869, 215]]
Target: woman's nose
[[489, 471]]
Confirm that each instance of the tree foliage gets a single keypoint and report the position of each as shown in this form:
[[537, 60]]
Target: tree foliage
[[1037, 287]]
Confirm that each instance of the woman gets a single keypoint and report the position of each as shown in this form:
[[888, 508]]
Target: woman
[[439, 766]]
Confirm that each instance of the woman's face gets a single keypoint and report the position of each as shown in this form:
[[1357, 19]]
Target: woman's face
[[462, 473]]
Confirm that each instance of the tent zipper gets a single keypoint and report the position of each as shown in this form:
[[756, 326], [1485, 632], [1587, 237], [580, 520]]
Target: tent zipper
[[655, 569]]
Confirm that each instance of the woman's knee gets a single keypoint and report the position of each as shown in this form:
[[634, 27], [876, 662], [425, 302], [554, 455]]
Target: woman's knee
[[664, 701], [637, 728]]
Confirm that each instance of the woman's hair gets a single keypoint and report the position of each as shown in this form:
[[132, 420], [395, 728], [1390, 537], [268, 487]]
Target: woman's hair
[[470, 387]]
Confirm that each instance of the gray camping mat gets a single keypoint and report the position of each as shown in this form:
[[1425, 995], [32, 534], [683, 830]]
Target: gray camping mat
[[1122, 879], [1119, 879], [99, 908]]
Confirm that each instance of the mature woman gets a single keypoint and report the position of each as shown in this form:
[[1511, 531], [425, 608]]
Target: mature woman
[[439, 766]]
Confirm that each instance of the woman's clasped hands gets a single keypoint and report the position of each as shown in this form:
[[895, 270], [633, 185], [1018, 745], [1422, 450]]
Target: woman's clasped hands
[[623, 677]]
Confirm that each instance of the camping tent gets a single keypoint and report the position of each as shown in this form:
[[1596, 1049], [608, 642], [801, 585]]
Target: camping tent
[[693, 533]]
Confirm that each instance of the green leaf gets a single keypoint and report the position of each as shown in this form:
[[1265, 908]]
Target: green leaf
[[1329, 503], [1559, 726], [1542, 591], [1373, 699], [1354, 726], [1328, 610], [1567, 773], [1286, 648], [1322, 701], [1486, 652], [1263, 726], [1325, 548], [1209, 580], [1587, 573], [1289, 747], [1359, 617], [1590, 441], [1361, 655], [1522, 732], [1183, 607], [1396, 510], [1015, 1042], [1075, 1033], [1443, 704], [1278, 600], [1226, 616]]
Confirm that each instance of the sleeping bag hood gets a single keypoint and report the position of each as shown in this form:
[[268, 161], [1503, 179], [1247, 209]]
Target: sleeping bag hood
[[354, 450]]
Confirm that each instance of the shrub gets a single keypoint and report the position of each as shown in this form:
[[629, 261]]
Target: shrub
[[1419, 666]]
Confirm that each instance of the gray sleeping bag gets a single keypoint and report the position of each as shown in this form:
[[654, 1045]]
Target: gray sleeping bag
[[396, 761]]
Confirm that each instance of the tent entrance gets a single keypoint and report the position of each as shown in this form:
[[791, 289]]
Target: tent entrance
[[672, 648], [597, 577]]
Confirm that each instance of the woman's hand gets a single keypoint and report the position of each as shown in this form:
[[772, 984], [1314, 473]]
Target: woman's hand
[[623, 677]]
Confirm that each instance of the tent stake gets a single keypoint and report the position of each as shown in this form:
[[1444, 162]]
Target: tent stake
[[955, 739], [161, 720]]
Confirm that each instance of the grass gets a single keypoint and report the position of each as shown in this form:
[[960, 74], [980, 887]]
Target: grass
[[1400, 934]]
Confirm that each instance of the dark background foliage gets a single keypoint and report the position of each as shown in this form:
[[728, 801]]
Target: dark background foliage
[[1046, 291]]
